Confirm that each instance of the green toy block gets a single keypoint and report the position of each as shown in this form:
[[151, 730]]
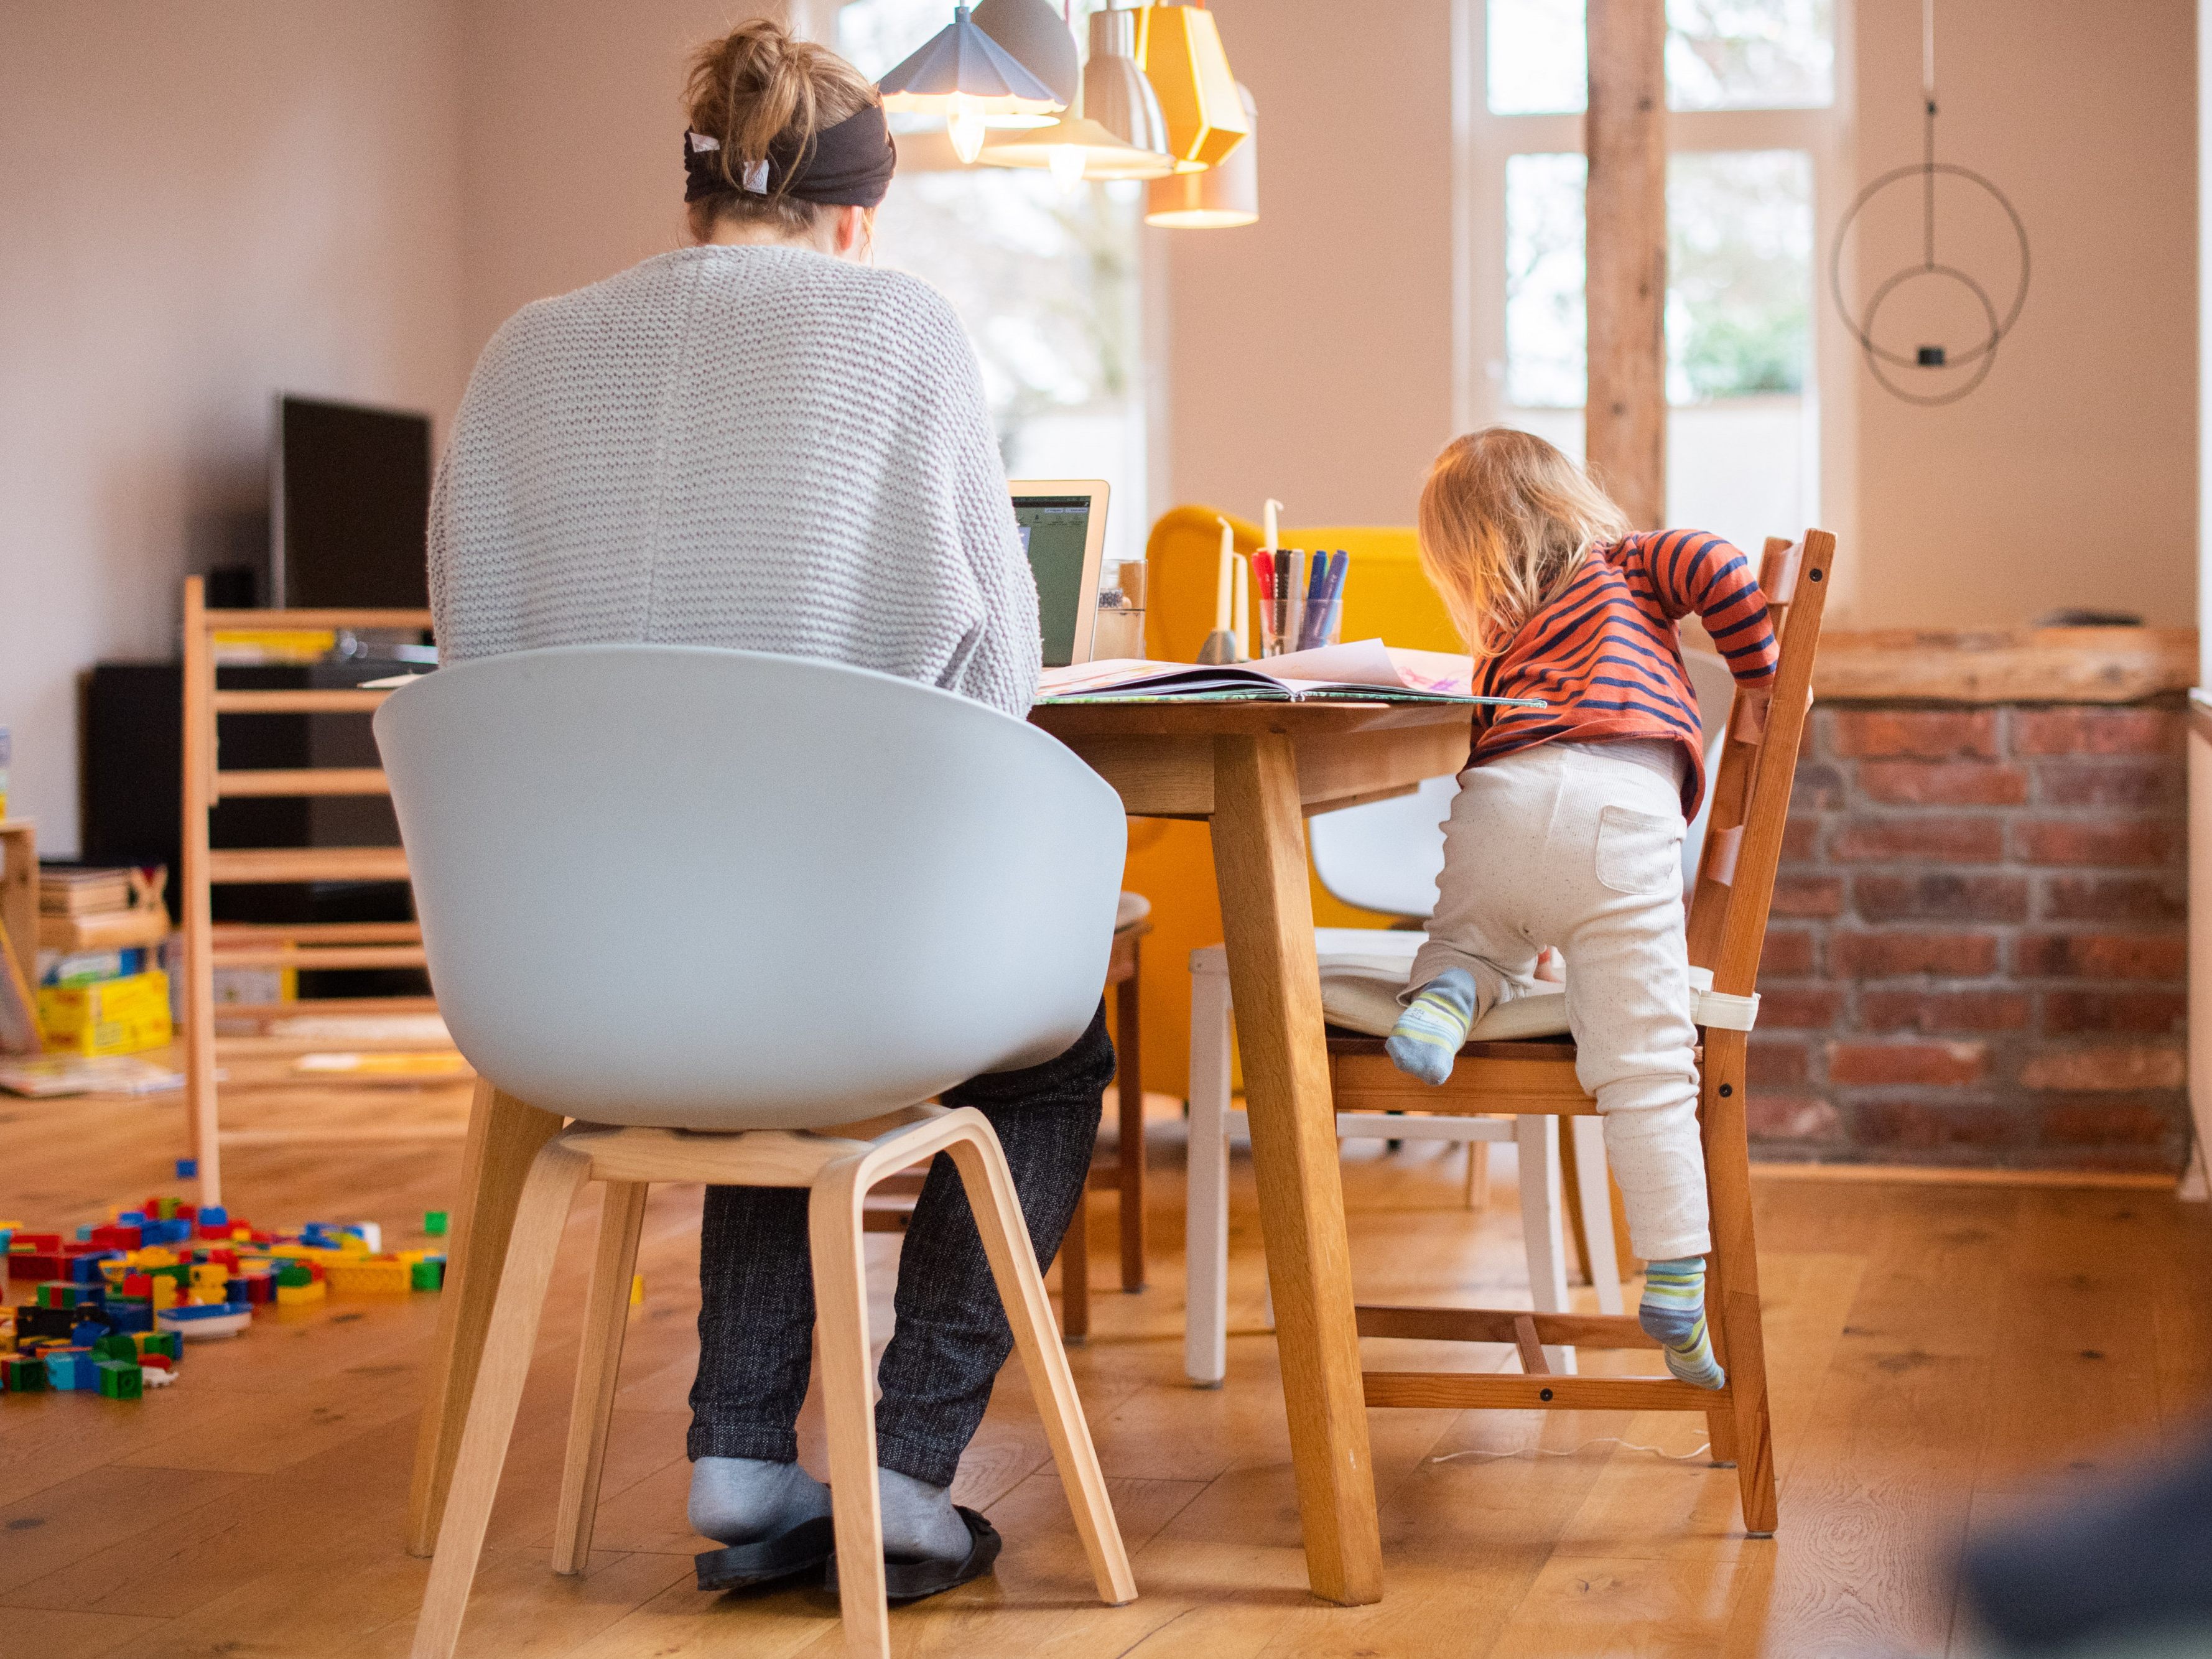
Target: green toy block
[[433, 1223], [119, 1345], [119, 1381], [161, 1342], [23, 1376], [295, 1274], [428, 1274], [60, 1293]]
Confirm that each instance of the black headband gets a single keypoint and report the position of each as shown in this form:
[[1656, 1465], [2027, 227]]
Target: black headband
[[847, 164]]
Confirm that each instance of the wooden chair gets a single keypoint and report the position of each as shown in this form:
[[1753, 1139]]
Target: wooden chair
[[1727, 928]]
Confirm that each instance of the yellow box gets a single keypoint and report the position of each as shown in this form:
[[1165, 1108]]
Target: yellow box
[[113, 1016]]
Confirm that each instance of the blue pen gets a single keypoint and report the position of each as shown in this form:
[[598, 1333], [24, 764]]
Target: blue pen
[[1333, 610], [1316, 604]]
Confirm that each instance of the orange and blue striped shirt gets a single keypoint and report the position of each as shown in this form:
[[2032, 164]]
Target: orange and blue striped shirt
[[1606, 655]]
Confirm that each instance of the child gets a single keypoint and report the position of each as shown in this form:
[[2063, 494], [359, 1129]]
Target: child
[[1567, 829]]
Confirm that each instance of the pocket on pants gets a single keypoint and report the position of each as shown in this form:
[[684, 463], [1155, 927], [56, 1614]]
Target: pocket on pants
[[1639, 852]]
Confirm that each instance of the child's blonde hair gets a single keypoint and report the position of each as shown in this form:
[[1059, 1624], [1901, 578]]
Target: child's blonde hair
[[1506, 520]]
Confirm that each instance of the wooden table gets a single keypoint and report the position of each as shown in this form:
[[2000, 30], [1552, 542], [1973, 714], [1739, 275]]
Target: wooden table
[[1253, 771]]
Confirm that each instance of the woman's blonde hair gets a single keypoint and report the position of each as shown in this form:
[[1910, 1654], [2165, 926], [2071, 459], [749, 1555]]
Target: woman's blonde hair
[[752, 88], [1506, 521]]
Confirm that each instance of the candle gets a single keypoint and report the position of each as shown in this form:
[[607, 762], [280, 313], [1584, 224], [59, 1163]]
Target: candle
[[1223, 577], [1243, 625], [1274, 508]]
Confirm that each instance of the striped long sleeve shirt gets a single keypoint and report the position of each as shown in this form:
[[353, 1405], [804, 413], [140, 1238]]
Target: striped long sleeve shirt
[[1606, 655]]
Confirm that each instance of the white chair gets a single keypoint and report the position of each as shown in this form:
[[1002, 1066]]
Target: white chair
[[756, 909], [1385, 856]]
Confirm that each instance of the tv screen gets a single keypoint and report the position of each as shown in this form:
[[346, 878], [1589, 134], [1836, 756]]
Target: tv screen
[[352, 499]]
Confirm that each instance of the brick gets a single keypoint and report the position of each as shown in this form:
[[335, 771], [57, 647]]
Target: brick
[[1854, 955], [1770, 1061], [1916, 734], [1938, 895], [1801, 841], [2162, 955], [1787, 953], [1891, 1064], [1928, 1126], [2107, 1068], [2113, 898], [1819, 787], [1800, 1007], [2094, 731], [2071, 840], [1933, 1012], [2156, 1013], [1942, 783], [1918, 840], [2110, 1122], [2124, 783], [1808, 896], [1791, 1117]]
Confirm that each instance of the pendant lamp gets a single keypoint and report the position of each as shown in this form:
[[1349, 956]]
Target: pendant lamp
[[963, 75], [1224, 195], [1038, 37], [1113, 130], [1179, 47]]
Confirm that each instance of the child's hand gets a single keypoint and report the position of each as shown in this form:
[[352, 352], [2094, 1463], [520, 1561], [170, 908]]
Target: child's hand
[[1551, 966], [1428, 1034]]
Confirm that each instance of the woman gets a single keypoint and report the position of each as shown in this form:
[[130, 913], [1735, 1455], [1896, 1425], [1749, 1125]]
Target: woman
[[762, 442]]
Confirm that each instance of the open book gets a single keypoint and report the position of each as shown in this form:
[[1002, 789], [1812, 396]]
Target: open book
[[1366, 671]]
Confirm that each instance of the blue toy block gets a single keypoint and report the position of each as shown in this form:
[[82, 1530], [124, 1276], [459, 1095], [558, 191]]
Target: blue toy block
[[68, 1369], [85, 1269], [214, 1215], [84, 1234], [85, 1333], [188, 1169], [130, 1218], [130, 1313]]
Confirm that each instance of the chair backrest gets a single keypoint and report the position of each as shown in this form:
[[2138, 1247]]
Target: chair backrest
[[725, 889], [1750, 788], [1386, 855]]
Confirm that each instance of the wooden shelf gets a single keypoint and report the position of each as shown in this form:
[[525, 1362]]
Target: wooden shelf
[[2028, 664], [104, 930]]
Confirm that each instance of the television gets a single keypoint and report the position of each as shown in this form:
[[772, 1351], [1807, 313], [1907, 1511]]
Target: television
[[349, 506]]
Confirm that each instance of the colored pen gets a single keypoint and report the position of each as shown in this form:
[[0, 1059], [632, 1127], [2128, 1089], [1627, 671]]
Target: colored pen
[[1333, 617], [1283, 562], [1314, 611]]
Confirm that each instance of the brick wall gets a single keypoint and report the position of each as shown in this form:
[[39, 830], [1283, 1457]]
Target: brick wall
[[1978, 948]]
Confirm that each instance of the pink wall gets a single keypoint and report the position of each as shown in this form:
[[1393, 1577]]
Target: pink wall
[[199, 205]]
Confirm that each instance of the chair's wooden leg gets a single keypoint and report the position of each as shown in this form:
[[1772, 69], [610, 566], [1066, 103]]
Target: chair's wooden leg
[[1075, 1270], [990, 1187], [840, 1332], [1477, 1192], [548, 1192], [598, 1367], [1537, 1139], [1732, 1291], [1128, 1021], [1624, 1254], [1205, 1198], [1593, 1178], [504, 1136], [1570, 1189]]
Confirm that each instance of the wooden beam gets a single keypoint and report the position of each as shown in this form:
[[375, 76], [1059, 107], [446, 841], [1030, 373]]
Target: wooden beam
[[1625, 133]]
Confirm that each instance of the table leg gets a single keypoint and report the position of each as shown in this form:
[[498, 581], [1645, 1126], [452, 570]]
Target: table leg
[[1130, 1167], [504, 1136], [1267, 911]]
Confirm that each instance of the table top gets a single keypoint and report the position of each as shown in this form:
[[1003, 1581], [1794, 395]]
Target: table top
[[1115, 718]]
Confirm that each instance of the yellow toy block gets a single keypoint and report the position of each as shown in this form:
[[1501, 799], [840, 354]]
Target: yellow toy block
[[375, 1277], [165, 1294], [152, 1256], [292, 1295], [637, 1289]]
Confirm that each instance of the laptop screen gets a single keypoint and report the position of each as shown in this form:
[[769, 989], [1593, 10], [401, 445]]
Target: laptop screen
[[1055, 530]]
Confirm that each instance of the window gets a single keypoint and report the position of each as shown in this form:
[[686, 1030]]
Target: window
[[1047, 284], [1755, 144]]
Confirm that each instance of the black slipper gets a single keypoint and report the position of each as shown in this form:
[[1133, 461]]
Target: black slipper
[[910, 1577], [785, 1554]]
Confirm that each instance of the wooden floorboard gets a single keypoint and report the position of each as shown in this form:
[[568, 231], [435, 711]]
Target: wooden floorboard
[[1942, 1356]]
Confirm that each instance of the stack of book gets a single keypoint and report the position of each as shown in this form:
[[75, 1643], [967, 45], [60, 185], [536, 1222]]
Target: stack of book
[[101, 989]]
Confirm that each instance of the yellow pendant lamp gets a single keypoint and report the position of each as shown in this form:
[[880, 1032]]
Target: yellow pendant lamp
[[1113, 130], [1179, 47], [1224, 195]]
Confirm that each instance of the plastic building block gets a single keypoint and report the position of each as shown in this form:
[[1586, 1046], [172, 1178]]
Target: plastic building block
[[188, 1169], [60, 1294], [71, 1369], [200, 1324], [130, 1313], [637, 1289], [159, 1342], [428, 1274], [154, 1377], [117, 1345], [120, 1380], [370, 1274], [21, 1375], [32, 1320], [116, 1237], [433, 1223]]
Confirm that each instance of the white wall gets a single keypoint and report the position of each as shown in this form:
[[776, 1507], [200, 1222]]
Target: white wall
[[199, 205]]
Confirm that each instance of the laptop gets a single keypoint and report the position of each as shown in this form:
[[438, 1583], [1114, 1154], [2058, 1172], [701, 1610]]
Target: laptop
[[1062, 523]]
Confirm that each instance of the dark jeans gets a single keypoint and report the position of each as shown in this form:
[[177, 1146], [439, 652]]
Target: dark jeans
[[756, 1306]]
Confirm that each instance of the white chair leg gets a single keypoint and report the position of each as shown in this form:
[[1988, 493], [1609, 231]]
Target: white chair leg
[[547, 1194], [1206, 1202], [1597, 1210], [841, 1328], [990, 1188], [598, 1367], [1537, 1137]]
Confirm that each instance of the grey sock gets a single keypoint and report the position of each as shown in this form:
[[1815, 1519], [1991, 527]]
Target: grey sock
[[741, 1500], [919, 1519]]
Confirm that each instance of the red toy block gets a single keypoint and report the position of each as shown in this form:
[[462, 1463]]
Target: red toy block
[[116, 1237], [48, 1243], [37, 1264]]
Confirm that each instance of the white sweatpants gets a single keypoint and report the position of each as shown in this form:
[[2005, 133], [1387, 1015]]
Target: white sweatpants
[[1569, 846]]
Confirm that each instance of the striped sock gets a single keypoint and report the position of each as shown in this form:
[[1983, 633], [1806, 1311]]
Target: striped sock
[[1673, 1312], [1428, 1033]]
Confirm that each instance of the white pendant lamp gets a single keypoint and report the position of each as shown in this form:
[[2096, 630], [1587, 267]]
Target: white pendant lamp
[[1224, 195], [1113, 130], [963, 75], [1038, 37]]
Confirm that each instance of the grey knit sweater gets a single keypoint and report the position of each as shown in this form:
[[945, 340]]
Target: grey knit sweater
[[760, 448]]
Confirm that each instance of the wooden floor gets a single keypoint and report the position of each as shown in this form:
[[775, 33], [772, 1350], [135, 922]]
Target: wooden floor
[[1940, 1355]]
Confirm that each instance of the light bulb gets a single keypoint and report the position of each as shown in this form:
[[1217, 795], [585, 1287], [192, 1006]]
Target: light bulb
[[963, 123], [1067, 163]]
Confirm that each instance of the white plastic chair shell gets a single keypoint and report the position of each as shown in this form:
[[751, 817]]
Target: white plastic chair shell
[[723, 890]]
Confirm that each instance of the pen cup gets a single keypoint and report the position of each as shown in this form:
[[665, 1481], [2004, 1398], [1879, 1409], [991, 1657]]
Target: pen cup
[[1120, 629]]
